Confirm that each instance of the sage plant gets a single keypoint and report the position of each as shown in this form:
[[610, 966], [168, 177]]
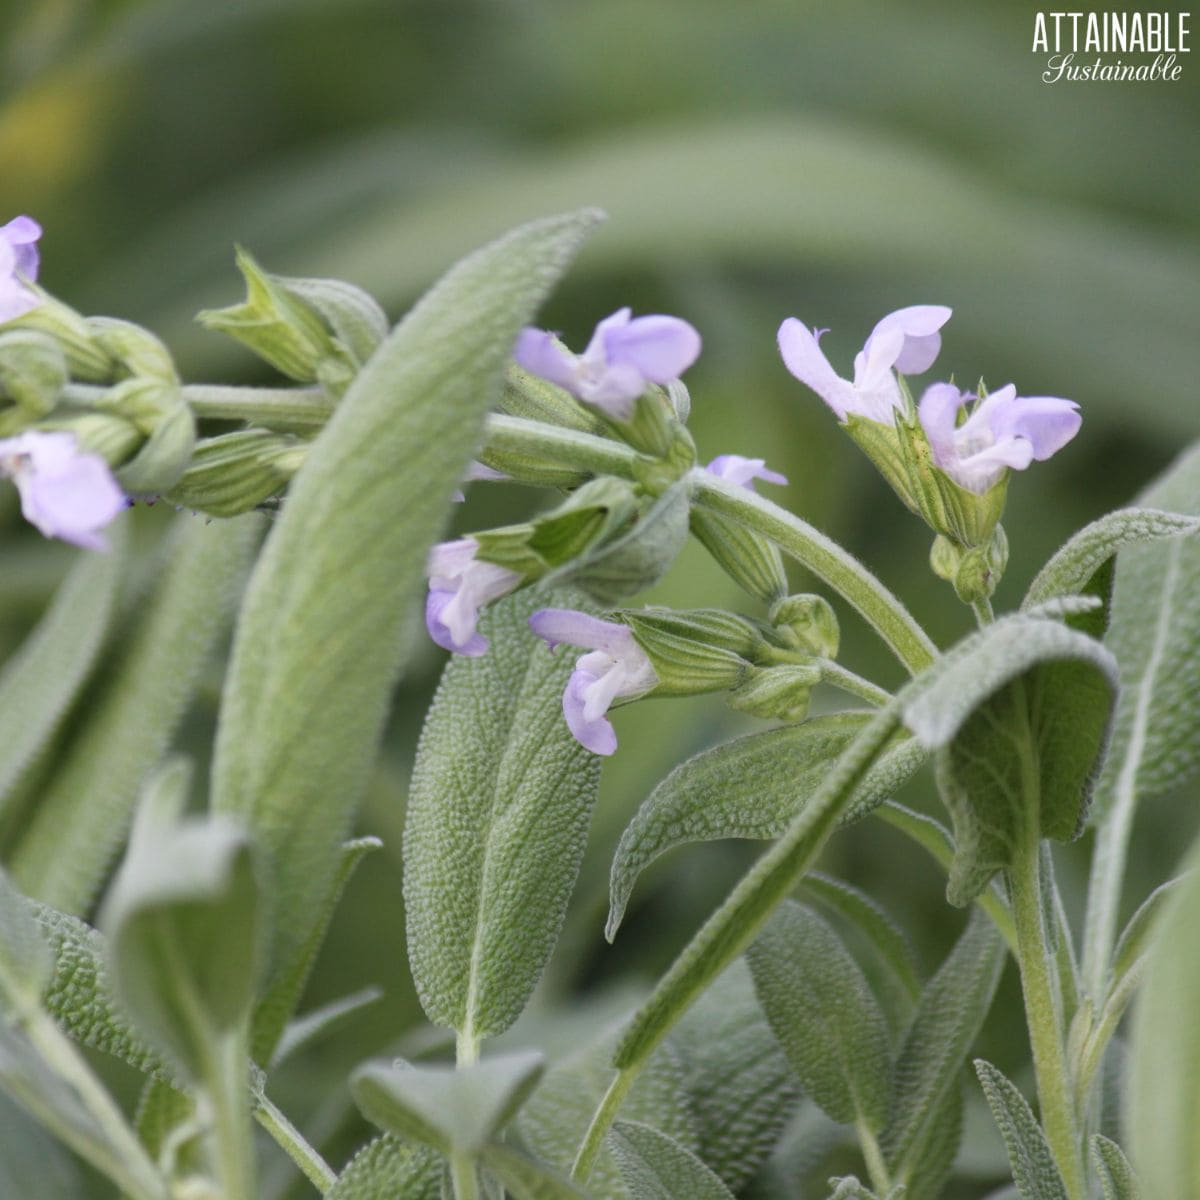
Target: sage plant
[[796, 1019]]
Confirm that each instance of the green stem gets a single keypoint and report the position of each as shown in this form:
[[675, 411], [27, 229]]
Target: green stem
[[466, 1048], [983, 612], [464, 1179], [1042, 1012], [881, 1180], [314, 1168], [602, 1119], [228, 1092], [824, 557], [856, 685]]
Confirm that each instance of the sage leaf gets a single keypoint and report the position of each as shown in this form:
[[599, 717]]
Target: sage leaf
[[1137, 935], [526, 1178], [655, 1167], [1116, 1176], [326, 625], [314, 1025], [1033, 1167], [498, 815], [1073, 569], [185, 932], [751, 787], [390, 1167], [25, 961], [1017, 715], [44, 676], [85, 809], [1163, 1096], [735, 1076], [926, 1099], [32, 1163], [824, 1014], [453, 1110]]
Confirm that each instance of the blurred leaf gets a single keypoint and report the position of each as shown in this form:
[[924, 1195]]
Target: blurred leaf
[[1163, 1096], [926, 1102], [1112, 1167], [1138, 935], [32, 1163], [185, 934], [452, 1109], [85, 808], [25, 961], [1017, 714], [497, 821], [1033, 1166], [736, 1078], [42, 679], [824, 1014], [528, 1179], [388, 1168], [655, 1167], [313, 1026], [326, 624], [752, 787]]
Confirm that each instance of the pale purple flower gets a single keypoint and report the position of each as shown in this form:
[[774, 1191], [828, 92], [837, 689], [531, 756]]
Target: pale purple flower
[[1005, 430], [66, 492], [625, 354], [743, 471], [18, 266], [615, 668], [906, 341], [459, 586], [475, 472]]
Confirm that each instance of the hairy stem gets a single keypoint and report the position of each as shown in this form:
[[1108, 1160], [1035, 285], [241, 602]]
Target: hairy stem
[[856, 685], [601, 1123], [314, 1168]]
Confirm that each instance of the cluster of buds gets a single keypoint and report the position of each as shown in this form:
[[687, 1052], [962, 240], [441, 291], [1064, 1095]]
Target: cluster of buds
[[947, 457]]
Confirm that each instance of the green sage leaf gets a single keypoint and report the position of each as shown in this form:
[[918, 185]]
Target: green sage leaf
[[26, 964], [526, 1178], [1033, 1167], [32, 1163], [1116, 1176], [497, 820], [390, 1167], [314, 1025], [326, 625], [824, 1014], [656, 1167], [752, 787]]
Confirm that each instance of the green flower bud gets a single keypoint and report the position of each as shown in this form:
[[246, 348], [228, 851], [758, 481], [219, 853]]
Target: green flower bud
[[135, 349], [807, 623], [693, 651], [974, 571], [283, 328], [87, 359], [537, 399], [777, 693], [156, 410], [113, 438], [33, 370], [235, 472], [751, 560], [358, 323]]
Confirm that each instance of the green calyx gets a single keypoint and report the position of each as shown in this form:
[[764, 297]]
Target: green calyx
[[695, 650]]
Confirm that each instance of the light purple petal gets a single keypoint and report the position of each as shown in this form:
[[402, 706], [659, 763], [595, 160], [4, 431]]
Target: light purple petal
[[15, 299], [743, 471], [439, 631], [477, 471], [558, 626], [981, 471], [1046, 422], [938, 413], [919, 325], [21, 233], [661, 348], [448, 560], [542, 354], [597, 348], [613, 388], [597, 734], [802, 355]]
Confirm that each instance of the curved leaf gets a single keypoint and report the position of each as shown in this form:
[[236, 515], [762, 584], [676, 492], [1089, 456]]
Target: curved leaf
[[655, 1167], [1112, 1167], [1033, 1167], [389, 1167]]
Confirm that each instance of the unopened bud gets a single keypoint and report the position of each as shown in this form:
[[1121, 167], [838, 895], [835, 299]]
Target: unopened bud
[[807, 623], [33, 370], [87, 360], [777, 693], [702, 650], [157, 410], [235, 472], [135, 349], [536, 399], [751, 560]]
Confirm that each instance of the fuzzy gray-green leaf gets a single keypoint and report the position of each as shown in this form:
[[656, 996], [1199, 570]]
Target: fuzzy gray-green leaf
[[1033, 1167], [528, 1179], [824, 1014], [388, 1168], [44, 675], [752, 787], [1116, 1176], [655, 1167], [25, 961], [497, 820], [85, 809], [327, 621]]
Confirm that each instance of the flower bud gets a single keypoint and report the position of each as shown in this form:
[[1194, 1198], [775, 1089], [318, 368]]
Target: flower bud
[[654, 430], [283, 328], [157, 411], [693, 651], [751, 560], [777, 693], [135, 349], [974, 572], [33, 370], [87, 359], [113, 438], [807, 623], [358, 323], [235, 472], [536, 399]]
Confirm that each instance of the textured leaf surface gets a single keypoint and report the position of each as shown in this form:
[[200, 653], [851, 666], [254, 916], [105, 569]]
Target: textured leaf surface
[[85, 809], [387, 1169], [926, 1101], [451, 1109], [314, 1025], [528, 1179], [1033, 1167], [738, 1082], [45, 674], [824, 1014], [25, 961], [1072, 568], [655, 1167], [327, 620], [752, 787], [1164, 1074], [554, 1121], [1116, 1176], [497, 820], [1017, 715]]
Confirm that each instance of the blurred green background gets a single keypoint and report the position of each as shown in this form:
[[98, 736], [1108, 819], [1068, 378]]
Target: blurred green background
[[757, 160]]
